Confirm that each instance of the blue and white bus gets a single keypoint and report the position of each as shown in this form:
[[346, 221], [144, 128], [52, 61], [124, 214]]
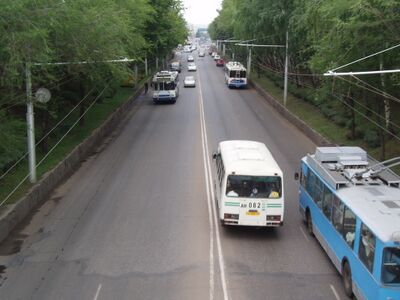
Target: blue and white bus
[[235, 75], [351, 204], [166, 86]]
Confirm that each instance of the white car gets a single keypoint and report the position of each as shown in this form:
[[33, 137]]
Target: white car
[[216, 57], [202, 54], [190, 58], [189, 81], [191, 67]]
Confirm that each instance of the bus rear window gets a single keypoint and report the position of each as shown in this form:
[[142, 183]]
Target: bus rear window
[[254, 186], [391, 266]]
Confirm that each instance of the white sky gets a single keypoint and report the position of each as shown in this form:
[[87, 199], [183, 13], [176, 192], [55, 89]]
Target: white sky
[[201, 12]]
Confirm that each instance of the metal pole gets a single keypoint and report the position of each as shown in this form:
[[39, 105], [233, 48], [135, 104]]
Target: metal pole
[[136, 73], [146, 71], [30, 125], [286, 70], [249, 63], [233, 56], [223, 49], [157, 63]]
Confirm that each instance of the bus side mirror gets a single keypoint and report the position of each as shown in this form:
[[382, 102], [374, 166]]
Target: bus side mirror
[[296, 176], [214, 155]]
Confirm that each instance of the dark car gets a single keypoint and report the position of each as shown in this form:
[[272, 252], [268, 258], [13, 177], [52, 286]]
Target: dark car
[[220, 62]]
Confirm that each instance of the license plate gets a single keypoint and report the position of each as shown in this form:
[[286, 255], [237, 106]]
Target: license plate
[[252, 213]]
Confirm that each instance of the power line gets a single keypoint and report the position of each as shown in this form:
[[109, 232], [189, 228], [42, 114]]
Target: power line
[[364, 58], [359, 103], [369, 119], [59, 141], [372, 89], [45, 136]]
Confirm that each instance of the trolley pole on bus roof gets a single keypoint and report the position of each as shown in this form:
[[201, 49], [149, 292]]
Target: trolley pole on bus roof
[[250, 46]]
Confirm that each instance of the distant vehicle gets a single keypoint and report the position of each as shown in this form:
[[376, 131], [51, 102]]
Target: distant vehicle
[[190, 58], [351, 203], [176, 66], [235, 75], [166, 86], [216, 57], [220, 62], [249, 185], [202, 54], [187, 49], [213, 54], [189, 81], [191, 67]]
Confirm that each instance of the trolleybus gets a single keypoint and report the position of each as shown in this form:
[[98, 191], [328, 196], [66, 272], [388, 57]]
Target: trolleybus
[[235, 75], [249, 185], [351, 203], [166, 86]]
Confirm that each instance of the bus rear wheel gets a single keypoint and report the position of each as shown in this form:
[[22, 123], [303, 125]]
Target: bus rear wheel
[[309, 223], [347, 281]]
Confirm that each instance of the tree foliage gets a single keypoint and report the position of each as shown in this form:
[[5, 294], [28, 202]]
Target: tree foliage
[[324, 35], [49, 31]]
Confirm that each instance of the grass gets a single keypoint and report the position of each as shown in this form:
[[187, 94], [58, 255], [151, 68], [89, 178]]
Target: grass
[[311, 115], [93, 119]]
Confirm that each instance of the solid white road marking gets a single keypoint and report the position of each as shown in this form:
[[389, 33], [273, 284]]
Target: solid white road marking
[[305, 235], [334, 292], [98, 291], [209, 203], [211, 197]]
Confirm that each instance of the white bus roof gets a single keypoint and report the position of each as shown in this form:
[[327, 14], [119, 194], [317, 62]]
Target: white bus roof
[[165, 76], [235, 66], [248, 158], [377, 206], [374, 199]]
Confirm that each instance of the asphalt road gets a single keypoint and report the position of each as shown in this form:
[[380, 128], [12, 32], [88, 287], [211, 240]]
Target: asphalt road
[[137, 220]]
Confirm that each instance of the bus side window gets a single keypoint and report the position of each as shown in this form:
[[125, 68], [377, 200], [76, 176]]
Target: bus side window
[[220, 169], [303, 179], [349, 226], [318, 192], [337, 214], [366, 251], [327, 203], [311, 183]]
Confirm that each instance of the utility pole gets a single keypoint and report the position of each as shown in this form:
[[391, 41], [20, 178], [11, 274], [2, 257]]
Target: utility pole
[[156, 63], [285, 88], [29, 107], [146, 71], [250, 46], [249, 63], [30, 125]]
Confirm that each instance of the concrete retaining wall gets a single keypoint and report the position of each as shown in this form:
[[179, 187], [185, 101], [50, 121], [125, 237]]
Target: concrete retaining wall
[[13, 214], [317, 138]]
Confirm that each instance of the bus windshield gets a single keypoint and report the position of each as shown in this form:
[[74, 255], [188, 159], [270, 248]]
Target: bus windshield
[[391, 266], [164, 86], [254, 186]]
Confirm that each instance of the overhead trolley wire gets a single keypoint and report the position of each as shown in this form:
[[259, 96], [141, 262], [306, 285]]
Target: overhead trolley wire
[[59, 141], [45, 136], [366, 57]]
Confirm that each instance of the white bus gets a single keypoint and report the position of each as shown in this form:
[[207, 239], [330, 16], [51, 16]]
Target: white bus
[[249, 185], [235, 75], [166, 86]]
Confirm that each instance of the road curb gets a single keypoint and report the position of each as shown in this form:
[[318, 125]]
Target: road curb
[[311, 133], [13, 214]]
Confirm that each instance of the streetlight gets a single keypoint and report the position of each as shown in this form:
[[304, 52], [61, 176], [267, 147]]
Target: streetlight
[[43, 95]]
